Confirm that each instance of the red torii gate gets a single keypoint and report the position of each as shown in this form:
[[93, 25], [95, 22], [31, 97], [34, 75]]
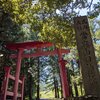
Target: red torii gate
[[20, 47]]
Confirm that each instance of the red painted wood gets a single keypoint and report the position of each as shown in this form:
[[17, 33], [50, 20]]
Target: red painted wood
[[4, 91], [20, 81], [63, 75], [40, 45], [11, 77], [28, 45], [64, 80], [42, 53], [10, 93], [22, 88], [19, 95], [5, 82], [59, 54], [17, 74]]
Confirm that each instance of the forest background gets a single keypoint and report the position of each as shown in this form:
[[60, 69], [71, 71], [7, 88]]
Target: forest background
[[52, 21]]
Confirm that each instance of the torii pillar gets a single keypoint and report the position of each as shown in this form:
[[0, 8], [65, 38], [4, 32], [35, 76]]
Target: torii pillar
[[17, 73], [63, 74]]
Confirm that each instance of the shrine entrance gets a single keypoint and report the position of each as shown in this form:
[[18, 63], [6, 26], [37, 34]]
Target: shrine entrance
[[39, 47]]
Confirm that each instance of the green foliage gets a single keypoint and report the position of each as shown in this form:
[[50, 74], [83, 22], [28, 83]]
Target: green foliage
[[95, 12], [95, 30], [21, 20], [55, 3], [58, 31], [17, 9], [97, 35]]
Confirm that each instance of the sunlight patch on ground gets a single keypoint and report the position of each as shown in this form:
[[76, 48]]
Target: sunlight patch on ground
[[49, 94]]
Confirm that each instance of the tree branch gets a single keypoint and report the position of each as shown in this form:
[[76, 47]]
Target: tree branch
[[90, 5]]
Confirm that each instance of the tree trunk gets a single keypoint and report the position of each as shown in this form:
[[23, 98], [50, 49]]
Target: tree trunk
[[61, 92], [81, 88], [76, 89], [70, 86], [38, 80], [61, 86], [55, 87], [30, 87], [57, 90]]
